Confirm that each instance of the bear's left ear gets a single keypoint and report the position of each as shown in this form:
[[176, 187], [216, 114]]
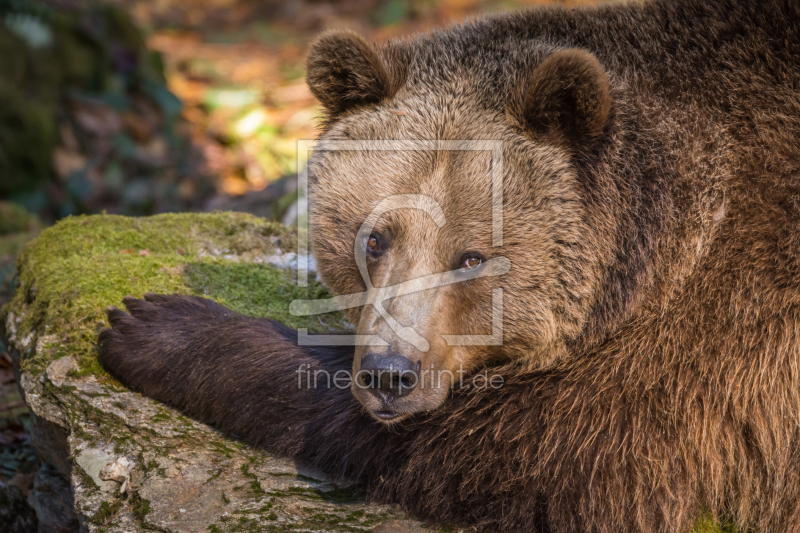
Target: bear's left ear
[[568, 97], [343, 71]]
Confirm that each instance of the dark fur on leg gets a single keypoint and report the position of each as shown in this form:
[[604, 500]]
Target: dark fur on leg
[[477, 462], [239, 374]]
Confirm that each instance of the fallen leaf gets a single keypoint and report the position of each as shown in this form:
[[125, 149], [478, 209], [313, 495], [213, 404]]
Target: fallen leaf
[[127, 251], [98, 120], [68, 137], [119, 471], [155, 150], [144, 252], [66, 162], [137, 127]]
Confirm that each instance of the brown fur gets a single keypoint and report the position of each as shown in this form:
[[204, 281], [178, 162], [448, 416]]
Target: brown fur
[[345, 71], [652, 312], [568, 94]]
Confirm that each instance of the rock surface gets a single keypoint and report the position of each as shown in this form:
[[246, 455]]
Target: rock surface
[[120, 462]]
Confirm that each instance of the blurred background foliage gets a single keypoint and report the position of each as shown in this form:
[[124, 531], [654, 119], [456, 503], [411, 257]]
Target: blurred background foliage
[[144, 106], [86, 120]]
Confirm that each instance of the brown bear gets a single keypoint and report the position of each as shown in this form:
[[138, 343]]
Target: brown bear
[[650, 302]]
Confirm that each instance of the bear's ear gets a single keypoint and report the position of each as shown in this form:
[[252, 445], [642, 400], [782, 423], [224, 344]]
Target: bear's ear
[[343, 71], [568, 97]]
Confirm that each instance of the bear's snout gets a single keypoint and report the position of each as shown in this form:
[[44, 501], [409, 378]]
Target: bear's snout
[[388, 377]]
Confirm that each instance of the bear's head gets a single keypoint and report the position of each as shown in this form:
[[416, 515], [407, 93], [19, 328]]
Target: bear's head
[[476, 252]]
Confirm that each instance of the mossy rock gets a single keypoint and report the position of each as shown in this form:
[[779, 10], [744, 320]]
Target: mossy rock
[[70, 273], [183, 475]]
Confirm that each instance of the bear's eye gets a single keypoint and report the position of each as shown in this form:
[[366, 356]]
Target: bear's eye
[[470, 260], [374, 244]]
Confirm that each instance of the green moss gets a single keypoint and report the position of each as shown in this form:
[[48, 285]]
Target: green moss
[[337, 495], [105, 513], [214, 476], [86, 479], [255, 486], [79, 433], [325, 521], [220, 447], [341, 495], [245, 525], [355, 515], [140, 506], [160, 417], [72, 271], [707, 525]]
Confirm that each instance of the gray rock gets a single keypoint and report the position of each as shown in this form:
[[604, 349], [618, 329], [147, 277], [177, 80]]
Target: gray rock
[[178, 475]]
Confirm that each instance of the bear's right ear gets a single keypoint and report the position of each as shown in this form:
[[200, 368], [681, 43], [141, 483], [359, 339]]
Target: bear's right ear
[[568, 98], [343, 71]]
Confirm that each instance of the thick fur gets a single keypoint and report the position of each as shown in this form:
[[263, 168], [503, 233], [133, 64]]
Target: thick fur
[[344, 71], [568, 95], [652, 316]]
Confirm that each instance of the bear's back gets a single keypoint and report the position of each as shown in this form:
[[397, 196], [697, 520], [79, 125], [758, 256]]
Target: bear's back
[[675, 49]]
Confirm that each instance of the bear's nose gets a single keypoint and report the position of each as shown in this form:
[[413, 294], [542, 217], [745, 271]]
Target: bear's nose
[[393, 375]]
